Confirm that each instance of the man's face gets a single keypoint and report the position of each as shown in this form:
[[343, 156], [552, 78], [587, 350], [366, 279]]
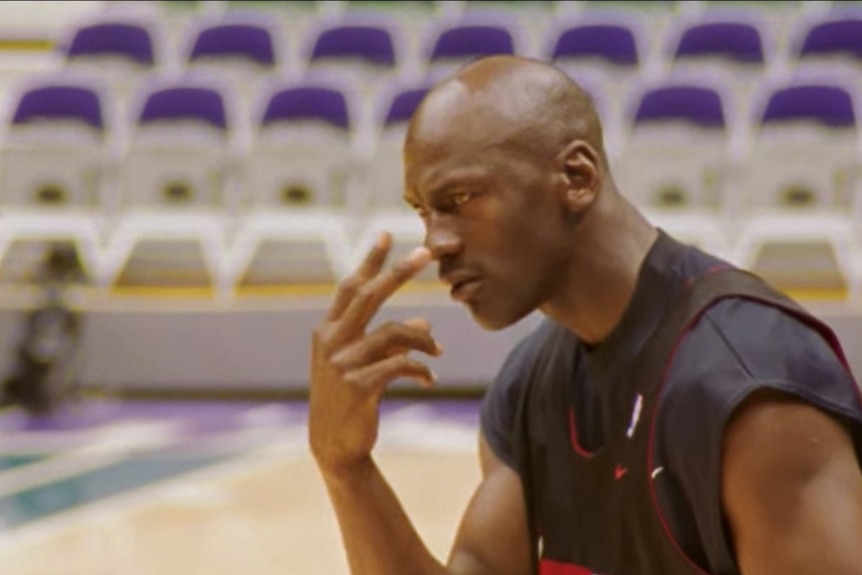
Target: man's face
[[494, 223]]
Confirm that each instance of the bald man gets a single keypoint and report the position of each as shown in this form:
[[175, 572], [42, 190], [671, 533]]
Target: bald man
[[671, 416]]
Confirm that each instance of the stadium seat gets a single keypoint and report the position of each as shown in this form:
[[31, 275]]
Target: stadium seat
[[608, 43], [57, 150], [737, 47], [729, 42], [654, 17], [180, 152], [676, 153], [303, 152], [798, 184], [121, 50], [109, 43], [451, 44], [777, 17], [829, 41], [243, 49], [57, 158], [300, 176], [364, 49], [177, 193], [246, 43]]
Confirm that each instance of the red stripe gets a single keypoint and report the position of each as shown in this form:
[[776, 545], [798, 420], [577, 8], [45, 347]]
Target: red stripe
[[548, 567], [573, 436]]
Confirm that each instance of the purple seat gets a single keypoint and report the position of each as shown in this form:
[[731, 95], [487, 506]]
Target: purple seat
[[404, 105], [472, 41], [836, 37], [735, 41], [113, 39], [829, 105], [694, 104], [60, 102], [247, 41], [182, 103], [302, 103], [370, 44], [611, 42]]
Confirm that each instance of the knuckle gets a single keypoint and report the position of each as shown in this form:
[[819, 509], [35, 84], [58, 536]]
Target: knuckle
[[403, 362], [320, 337], [351, 379], [391, 329], [349, 286], [365, 294], [339, 363]]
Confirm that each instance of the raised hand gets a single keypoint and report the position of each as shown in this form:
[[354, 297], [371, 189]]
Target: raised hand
[[351, 367]]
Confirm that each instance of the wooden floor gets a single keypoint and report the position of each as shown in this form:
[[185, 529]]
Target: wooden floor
[[264, 512]]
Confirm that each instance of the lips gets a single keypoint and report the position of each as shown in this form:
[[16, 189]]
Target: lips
[[464, 285], [465, 290]]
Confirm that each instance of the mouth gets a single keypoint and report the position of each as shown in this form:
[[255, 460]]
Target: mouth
[[466, 289]]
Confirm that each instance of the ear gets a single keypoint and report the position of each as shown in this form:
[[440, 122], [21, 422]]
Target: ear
[[581, 173]]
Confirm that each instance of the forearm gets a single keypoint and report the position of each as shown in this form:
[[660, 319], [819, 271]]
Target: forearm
[[378, 536]]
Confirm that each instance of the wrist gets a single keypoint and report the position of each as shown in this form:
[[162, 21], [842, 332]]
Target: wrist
[[348, 472]]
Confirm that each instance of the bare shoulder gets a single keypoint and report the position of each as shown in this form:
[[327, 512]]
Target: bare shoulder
[[775, 432], [790, 474]]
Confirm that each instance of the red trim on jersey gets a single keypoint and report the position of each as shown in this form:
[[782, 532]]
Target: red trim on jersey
[[573, 435], [548, 567]]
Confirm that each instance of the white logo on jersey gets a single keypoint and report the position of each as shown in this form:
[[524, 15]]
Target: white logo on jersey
[[636, 415], [656, 471]]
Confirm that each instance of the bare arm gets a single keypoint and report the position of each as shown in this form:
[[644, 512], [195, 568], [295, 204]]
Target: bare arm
[[379, 537], [350, 371], [792, 490]]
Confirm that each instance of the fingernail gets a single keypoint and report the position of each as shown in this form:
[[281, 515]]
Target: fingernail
[[382, 240]]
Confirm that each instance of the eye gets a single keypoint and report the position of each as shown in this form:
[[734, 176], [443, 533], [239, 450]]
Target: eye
[[460, 198]]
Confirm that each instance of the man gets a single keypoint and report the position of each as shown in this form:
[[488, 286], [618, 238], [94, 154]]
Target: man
[[603, 449]]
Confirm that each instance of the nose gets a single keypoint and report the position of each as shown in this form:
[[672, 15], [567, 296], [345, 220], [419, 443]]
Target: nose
[[441, 239]]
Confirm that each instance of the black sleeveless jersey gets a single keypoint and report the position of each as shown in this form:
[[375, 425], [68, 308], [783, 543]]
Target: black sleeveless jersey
[[619, 445]]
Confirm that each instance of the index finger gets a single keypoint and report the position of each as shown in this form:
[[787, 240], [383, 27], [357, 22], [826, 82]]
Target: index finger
[[372, 295], [370, 267]]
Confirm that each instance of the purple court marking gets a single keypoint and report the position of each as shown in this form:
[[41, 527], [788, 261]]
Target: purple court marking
[[205, 420], [461, 411]]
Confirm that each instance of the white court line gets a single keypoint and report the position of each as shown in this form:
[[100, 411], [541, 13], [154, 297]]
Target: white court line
[[205, 487], [110, 444], [202, 483], [275, 445]]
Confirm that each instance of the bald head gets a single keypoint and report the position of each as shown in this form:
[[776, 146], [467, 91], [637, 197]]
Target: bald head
[[507, 102]]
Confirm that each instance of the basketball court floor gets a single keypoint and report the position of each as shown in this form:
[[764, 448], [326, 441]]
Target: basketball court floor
[[159, 488]]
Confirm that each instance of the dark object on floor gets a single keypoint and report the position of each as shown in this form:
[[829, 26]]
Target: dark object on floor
[[46, 364]]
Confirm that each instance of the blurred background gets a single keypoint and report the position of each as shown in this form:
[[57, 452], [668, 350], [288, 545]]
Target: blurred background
[[183, 183]]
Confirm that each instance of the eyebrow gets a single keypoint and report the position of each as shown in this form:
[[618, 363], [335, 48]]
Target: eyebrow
[[453, 180]]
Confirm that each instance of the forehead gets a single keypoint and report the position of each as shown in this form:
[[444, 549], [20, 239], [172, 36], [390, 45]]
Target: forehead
[[453, 150], [431, 168]]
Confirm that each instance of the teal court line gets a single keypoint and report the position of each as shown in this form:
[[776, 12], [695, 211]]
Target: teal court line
[[41, 502], [10, 461]]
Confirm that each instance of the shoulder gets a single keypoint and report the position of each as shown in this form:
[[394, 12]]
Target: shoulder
[[739, 353], [740, 345]]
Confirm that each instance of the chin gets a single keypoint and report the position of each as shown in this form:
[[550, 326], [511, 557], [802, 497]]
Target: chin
[[490, 321]]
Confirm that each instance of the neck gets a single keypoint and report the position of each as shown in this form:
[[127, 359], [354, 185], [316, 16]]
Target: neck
[[609, 248]]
